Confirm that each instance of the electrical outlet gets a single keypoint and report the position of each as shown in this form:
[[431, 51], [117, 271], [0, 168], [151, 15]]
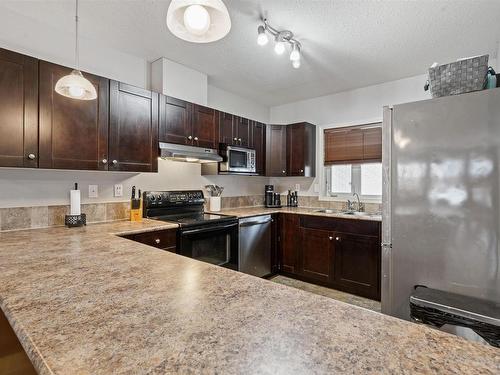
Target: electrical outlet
[[297, 187], [118, 190], [93, 191]]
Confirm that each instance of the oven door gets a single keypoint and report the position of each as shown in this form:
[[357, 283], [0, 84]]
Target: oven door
[[216, 244]]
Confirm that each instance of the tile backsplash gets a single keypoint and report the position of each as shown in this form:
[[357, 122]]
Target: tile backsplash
[[50, 216]]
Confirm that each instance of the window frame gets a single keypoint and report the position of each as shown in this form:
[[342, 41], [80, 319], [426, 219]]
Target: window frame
[[324, 194], [355, 184]]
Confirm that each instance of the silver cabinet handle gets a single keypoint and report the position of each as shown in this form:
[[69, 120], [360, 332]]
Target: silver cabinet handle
[[190, 137], [104, 161], [330, 238], [301, 171], [239, 139], [235, 139], [195, 138], [337, 238], [157, 240], [32, 156], [115, 162], [283, 172]]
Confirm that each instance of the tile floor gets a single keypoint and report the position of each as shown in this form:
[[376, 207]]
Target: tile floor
[[327, 292]]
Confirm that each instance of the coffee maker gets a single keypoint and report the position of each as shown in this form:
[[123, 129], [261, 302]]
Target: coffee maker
[[272, 199]]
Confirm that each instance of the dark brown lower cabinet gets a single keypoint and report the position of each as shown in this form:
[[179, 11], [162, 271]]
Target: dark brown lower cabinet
[[340, 253], [133, 128], [357, 264], [162, 239], [288, 238], [316, 254]]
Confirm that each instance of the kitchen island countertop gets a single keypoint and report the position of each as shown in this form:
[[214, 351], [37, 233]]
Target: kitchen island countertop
[[85, 301]]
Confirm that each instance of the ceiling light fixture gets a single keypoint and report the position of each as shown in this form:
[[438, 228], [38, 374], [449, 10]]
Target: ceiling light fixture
[[198, 21], [282, 38], [75, 85], [262, 38]]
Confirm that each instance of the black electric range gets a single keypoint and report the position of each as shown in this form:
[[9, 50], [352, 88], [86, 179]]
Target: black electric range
[[211, 238]]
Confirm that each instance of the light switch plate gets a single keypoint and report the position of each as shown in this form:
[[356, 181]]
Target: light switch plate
[[93, 191], [118, 191], [297, 187]]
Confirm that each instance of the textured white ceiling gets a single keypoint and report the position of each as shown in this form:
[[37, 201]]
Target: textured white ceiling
[[346, 44]]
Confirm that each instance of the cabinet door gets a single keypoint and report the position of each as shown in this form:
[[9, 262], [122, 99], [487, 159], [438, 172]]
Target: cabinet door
[[342, 146], [73, 133], [276, 150], [295, 148], [258, 143], [133, 129], [175, 120], [357, 264], [316, 254], [289, 229], [242, 131], [18, 110], [372, 144], [204, 126], [225, 121]]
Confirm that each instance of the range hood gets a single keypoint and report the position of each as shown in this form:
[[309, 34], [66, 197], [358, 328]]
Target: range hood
[[190, 154]]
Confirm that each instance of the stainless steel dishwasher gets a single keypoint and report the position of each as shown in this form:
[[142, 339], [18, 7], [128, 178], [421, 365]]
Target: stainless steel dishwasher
[[255, 245]]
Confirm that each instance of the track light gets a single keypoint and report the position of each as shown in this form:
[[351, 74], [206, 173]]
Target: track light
[[262, 38], [295, 54], [279, 47], [282, 38]]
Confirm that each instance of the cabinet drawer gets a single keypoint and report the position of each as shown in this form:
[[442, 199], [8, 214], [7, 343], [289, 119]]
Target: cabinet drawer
[[165, 239], [363, 227]]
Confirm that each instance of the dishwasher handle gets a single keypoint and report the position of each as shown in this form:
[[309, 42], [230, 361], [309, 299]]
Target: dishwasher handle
[[255, 222]]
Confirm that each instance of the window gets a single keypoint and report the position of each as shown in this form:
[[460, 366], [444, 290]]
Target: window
[[346, 179]]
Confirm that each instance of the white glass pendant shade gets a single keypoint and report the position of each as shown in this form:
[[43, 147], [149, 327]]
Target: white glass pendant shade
[[76, 86], [198, 21], [262, 38], [279, 47]]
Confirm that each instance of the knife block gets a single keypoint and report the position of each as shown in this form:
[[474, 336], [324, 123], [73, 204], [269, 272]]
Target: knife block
[[136, 210]]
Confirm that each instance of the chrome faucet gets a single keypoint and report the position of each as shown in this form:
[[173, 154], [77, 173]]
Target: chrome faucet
[[359, 201]]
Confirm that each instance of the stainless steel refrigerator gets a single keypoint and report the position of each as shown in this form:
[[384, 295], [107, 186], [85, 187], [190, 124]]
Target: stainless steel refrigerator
[[441, 198]]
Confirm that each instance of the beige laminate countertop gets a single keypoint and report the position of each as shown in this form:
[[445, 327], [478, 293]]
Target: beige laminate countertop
[[312, 211], [84, 301]]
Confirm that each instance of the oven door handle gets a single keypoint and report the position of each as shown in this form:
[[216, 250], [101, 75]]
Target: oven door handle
[[211, 229]]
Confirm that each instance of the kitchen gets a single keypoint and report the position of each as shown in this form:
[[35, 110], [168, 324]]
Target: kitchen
[[176, 113]]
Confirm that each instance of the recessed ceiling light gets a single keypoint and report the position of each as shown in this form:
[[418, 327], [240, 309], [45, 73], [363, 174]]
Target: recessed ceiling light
[[198, 21]]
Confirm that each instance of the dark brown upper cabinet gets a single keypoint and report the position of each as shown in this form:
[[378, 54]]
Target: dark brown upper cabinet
[[187, 123], [204, 126], [242, 131], [133, 128], [301, 149], [18, 110], [225, 124], [276, 150], [73, 133], [234, 130], [258, 143], [356, 144], [175, 120]]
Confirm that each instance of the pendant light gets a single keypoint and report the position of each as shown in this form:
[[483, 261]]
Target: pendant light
[[198, 21], [75, 85]]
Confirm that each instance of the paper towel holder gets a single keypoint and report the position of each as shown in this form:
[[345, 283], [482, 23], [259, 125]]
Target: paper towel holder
[[75, 220]]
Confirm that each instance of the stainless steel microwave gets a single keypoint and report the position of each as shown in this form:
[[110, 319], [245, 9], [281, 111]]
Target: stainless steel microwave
[[237, 159]]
